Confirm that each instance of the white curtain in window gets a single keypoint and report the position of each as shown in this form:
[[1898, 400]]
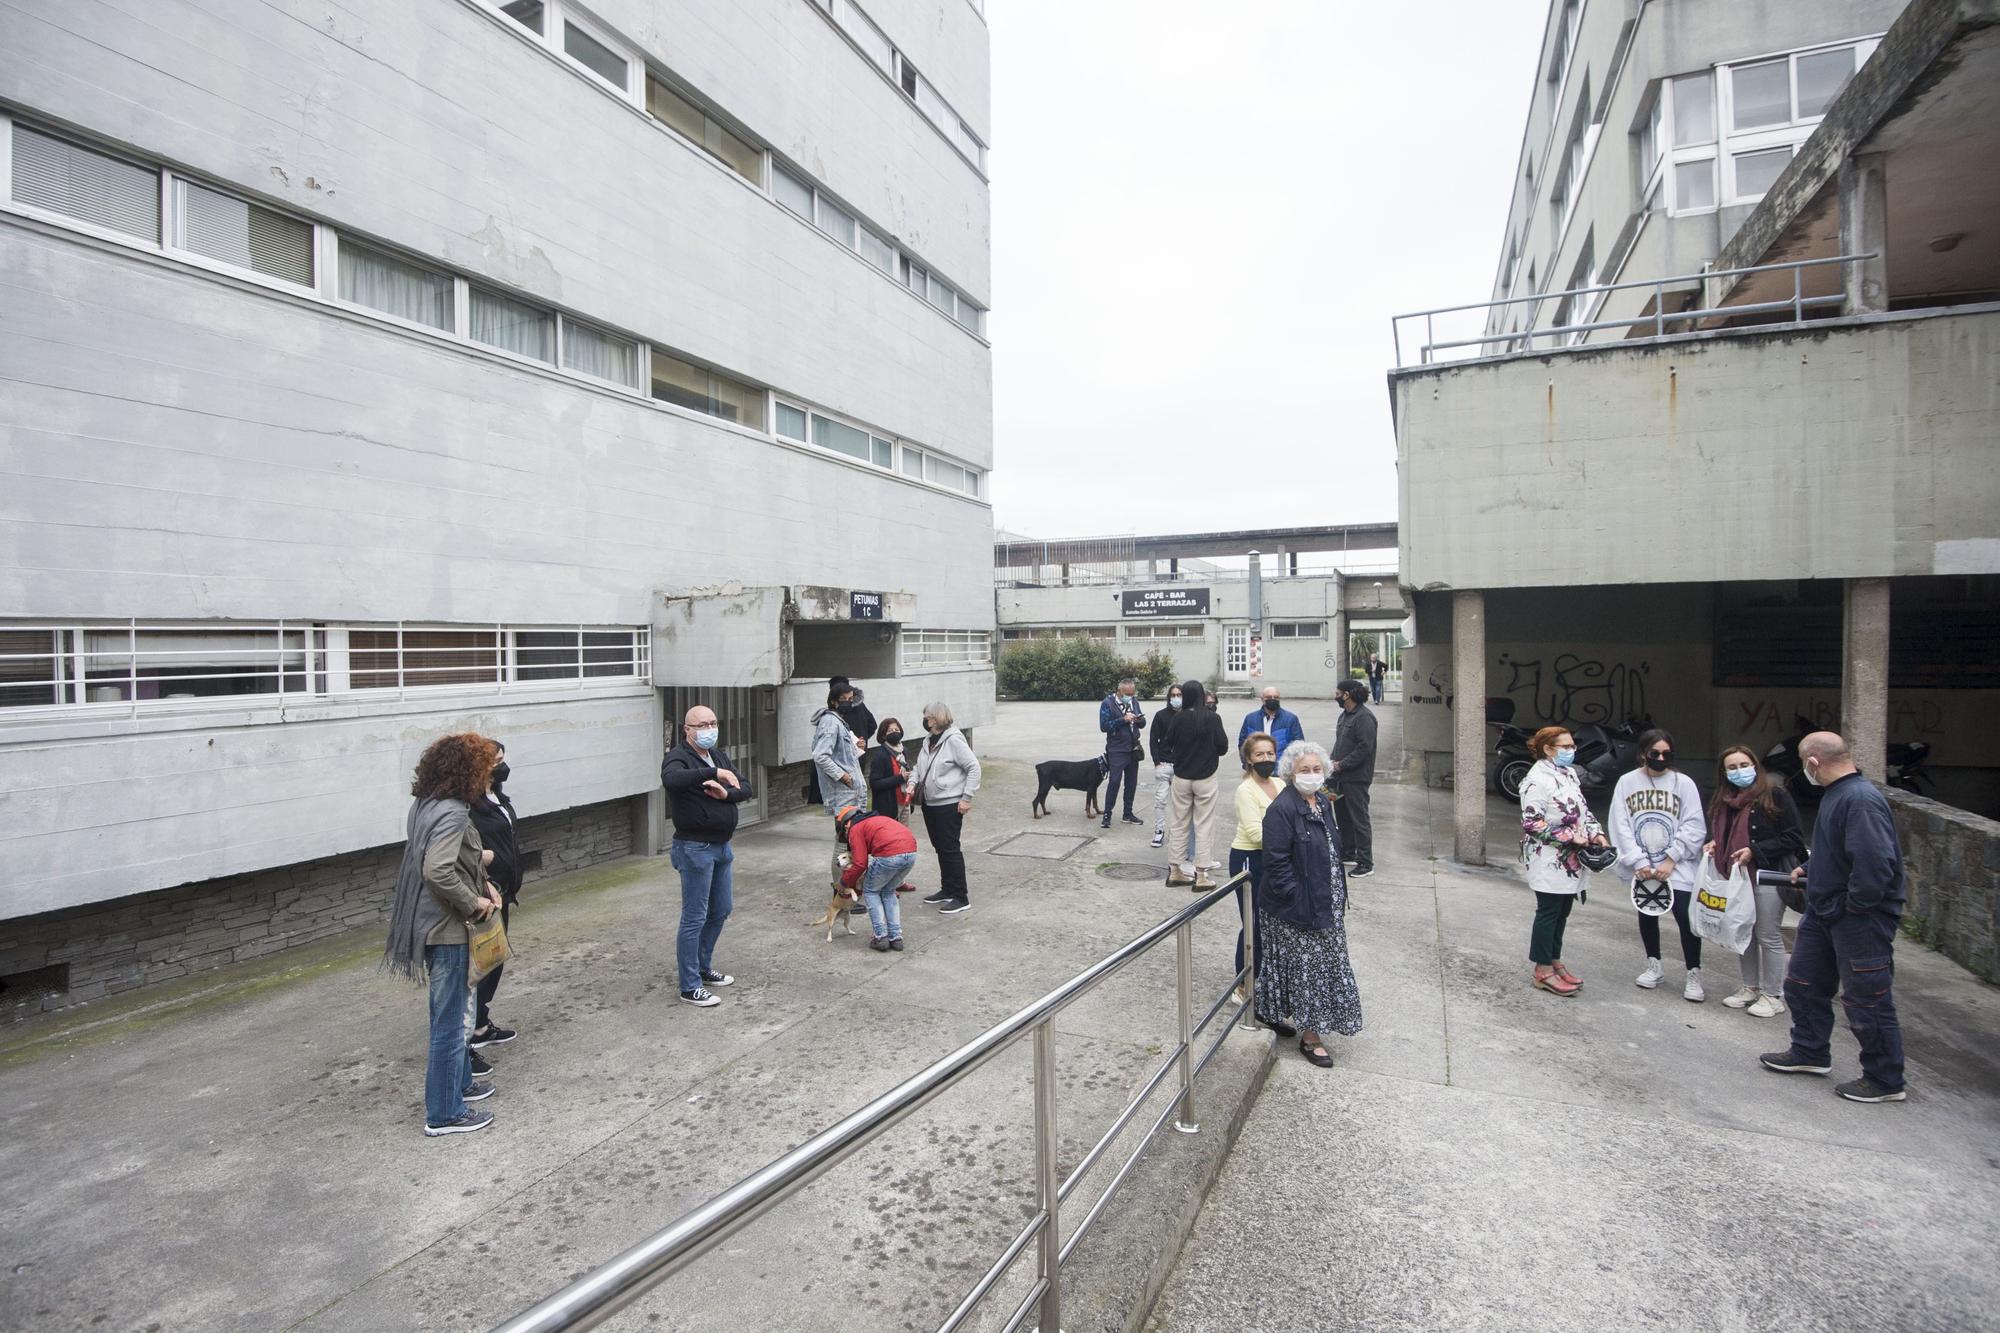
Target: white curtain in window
[[381, 282], [604, 355], [513, 326], [792, 192]]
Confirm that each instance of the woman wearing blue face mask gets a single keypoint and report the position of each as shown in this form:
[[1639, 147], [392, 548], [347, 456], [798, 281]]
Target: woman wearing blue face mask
[[1555, 825], [1753, 823]]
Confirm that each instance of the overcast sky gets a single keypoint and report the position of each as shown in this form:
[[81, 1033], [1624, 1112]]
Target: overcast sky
[[1204, 217]]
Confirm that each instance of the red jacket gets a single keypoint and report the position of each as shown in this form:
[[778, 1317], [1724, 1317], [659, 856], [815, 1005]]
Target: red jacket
[[874, 835]]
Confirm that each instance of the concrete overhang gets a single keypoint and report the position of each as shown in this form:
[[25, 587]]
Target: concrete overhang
[[1928, 102], [1199, 545]]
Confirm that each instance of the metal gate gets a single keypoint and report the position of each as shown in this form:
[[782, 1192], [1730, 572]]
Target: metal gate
[[736, 719]]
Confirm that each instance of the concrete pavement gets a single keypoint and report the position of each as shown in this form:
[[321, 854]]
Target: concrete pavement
[[1486, 1156]]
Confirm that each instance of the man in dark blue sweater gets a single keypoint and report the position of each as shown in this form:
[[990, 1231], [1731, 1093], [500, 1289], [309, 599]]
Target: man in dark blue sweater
[[1854, 903]]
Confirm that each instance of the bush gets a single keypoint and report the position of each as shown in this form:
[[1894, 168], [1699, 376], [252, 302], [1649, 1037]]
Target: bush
[[1154, 672], [1078, 669]]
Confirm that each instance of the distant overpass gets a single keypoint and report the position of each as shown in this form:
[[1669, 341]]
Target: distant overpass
[[1195, 545]]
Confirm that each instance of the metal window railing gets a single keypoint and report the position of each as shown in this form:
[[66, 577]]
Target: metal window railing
[[1564, 332], [598, 1295]]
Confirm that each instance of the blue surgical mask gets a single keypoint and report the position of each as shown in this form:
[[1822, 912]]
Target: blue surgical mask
[[1565, 756], [1173, 701], [1742, 777], [705, 737]]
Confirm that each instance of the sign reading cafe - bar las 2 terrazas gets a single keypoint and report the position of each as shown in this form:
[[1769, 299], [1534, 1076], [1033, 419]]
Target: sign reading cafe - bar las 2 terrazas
[[1164, 602]]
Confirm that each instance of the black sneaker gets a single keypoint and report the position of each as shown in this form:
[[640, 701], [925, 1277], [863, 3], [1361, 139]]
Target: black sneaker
[[495, 1035], [1361, 872], [1104, 822], [1131, 818], [465, 1124], [1864, 1090], [880, 944], [1789, 1061], [933, 899], [700, 998], [480, 1066], [897, 944], [953, 906], [717, 979], [480, 1092]]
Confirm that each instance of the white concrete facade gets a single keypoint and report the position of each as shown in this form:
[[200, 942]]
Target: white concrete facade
[[191, 445]]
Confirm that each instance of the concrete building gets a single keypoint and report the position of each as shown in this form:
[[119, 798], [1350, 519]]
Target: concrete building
[[372, 374], [1193, 598], [1788, 506]]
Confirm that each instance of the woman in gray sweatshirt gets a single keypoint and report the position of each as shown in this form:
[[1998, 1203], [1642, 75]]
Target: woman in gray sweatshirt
[[943, 782]]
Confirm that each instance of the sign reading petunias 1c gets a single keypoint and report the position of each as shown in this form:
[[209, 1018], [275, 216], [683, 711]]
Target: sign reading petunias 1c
[[1164, 602], [864, 606]]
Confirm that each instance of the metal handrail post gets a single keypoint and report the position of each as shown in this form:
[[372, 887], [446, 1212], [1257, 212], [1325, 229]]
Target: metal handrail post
[[1049, 1247], [1184, 1121], [1798, 285], [1659, 310], [1430, 338], [1249, 968]]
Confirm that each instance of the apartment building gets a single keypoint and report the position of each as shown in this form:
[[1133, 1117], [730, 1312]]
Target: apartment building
[[376, 372], [1781, 509]]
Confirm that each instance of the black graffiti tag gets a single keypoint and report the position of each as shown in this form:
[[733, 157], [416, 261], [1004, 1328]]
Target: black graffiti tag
[[1579, 689]]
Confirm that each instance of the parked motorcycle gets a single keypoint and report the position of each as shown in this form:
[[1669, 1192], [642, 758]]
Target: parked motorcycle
[[1907, 764], [1907, 768], [1603, 755]]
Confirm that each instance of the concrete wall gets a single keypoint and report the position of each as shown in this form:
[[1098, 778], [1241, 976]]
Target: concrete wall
[[1861, 448], [1952, 861], [1294, 665]]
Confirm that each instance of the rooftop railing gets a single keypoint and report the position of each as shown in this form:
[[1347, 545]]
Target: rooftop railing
[[1566, 333], [598, 1295]]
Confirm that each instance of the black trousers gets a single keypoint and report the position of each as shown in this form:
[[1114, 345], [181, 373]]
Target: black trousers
[[1545, 941], [489, 984], [1649, 931], [1357, 834], [943, 825]]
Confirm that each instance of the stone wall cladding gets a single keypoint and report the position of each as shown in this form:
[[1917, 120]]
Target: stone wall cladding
[[131, 942], [1951, 859]]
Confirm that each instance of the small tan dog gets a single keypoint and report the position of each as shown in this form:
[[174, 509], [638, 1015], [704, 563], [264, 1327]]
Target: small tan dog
[[843, 898]]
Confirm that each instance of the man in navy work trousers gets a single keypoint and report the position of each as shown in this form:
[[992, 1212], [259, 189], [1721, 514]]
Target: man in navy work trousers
[[703, 791], [1119, 718], [1854, 903]]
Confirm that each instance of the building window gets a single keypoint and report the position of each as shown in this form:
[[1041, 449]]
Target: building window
[[1298, 629], [1757, 171], [1563, 54], [792, 192], [244, 235], [528, 13], [836, 222], [839, 437], [866, 35], [705, 131], [686, 384], [135, 663], [945, 648], [1163, 631], [383, 283], [577, 654], [791, 422], [596, 56], [878, 251], [434, 656], [600, 355], [513, 326], [84, 184]]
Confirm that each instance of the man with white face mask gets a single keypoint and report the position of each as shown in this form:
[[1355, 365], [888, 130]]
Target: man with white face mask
[[704, 791]]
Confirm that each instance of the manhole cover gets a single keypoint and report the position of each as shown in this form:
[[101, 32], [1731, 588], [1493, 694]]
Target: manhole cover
[[1131, 870], [1042, 846]]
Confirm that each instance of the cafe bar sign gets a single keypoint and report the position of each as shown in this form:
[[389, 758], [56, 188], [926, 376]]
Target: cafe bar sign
[[1164, 602]]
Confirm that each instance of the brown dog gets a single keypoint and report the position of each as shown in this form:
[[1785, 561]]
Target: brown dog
[[843, 898]]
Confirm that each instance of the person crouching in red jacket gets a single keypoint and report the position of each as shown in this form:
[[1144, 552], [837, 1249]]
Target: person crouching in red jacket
[[883, 852]]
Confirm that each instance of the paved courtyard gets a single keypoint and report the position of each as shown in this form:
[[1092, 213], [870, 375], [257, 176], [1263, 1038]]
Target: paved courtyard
[[243, 1152]]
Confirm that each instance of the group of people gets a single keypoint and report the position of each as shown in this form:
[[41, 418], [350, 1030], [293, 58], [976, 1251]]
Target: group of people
[[1660, 836]]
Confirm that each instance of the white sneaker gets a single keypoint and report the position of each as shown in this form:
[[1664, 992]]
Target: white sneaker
[[1651, 976], [1693, 991], [1767, 1006], [1742, 999]]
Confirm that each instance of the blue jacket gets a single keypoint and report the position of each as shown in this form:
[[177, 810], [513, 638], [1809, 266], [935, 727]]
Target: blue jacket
[[1120, 736], [1302, 881], [1856, 864], [1284, 729]]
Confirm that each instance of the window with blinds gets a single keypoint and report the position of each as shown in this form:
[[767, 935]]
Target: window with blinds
[[84, 184], [244, 235]]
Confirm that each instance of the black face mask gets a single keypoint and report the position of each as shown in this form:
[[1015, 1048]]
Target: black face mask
[[1271, 705], [500, 772], [1264, 768], [893, 738], [1658, 762]]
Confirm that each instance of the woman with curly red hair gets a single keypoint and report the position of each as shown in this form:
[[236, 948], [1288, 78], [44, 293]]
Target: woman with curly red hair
[[1556, 825], [441, 887]]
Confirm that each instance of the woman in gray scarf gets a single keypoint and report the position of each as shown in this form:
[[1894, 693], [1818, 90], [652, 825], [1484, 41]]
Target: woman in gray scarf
[[440, 888]]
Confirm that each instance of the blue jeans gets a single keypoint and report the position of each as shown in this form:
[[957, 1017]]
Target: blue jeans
[[878, 889], [706, 879], [1120, 764], [1853, 953], [1239, 861], [448, 1068], [1375, 689]]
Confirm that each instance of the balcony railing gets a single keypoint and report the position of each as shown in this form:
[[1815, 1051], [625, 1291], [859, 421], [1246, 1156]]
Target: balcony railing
[[1566, 333]]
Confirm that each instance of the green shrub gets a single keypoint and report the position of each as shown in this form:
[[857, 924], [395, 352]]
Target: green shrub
[[1059, 669], [1154, 672]]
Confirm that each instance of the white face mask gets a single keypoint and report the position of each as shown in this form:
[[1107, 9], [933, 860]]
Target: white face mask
[[1812, 772], [1308, 783]]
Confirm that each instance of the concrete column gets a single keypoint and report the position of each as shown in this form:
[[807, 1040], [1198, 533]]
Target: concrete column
[[1468, 721], [649, 818], [1864, 673], [1864, 229]]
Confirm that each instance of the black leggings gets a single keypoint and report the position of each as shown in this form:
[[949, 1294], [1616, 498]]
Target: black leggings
[[1649, 931], [489, 985]]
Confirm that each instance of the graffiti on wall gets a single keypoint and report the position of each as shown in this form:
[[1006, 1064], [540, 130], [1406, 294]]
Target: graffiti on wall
[[1570, 687], [1769, 717]]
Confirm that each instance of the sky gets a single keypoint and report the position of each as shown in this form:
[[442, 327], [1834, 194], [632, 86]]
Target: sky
[[1204, 217]]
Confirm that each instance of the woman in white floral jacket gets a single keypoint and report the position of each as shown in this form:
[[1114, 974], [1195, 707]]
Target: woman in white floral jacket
[[1555, 825]]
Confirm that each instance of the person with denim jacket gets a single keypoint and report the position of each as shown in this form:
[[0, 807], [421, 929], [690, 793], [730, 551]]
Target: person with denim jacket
[[1119, 717]]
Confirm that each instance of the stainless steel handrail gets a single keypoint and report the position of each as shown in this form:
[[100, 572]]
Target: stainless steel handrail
[[598, 1295], [1797, 304]]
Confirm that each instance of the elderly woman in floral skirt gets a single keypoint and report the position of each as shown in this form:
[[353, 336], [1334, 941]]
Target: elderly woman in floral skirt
[[1556, 825], [1305, 976]]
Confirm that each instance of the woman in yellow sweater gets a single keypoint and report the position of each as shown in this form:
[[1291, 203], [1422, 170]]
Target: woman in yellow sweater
[[1246, 851]]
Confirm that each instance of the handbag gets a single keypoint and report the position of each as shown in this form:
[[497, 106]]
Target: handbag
[[489, 947]]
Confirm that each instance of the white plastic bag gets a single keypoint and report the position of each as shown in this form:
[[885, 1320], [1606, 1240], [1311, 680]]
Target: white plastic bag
[[1724, 907]]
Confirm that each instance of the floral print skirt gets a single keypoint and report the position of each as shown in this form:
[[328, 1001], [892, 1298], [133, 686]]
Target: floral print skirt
[[1307, 978]]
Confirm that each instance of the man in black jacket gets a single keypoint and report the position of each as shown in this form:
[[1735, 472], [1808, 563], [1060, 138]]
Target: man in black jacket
[[494, 818], [1847, 935], [1353, 771], [703, 791]]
